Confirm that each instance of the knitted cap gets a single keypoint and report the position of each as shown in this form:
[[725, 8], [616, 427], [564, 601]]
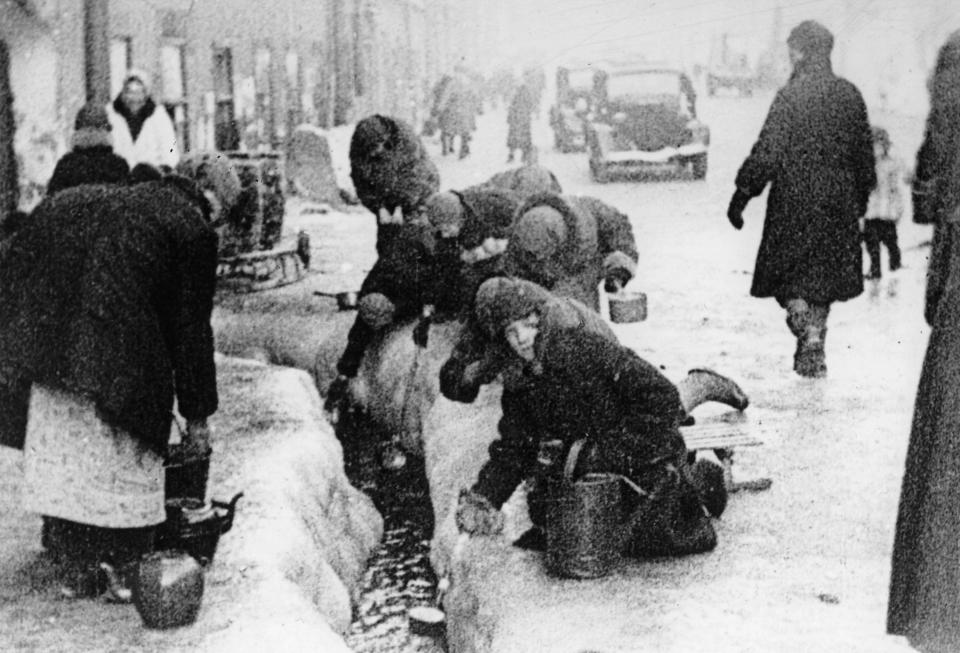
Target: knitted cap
[[811, 38], [541, 231], [376, 310], [92, 116], [502, 300], [444, 209]]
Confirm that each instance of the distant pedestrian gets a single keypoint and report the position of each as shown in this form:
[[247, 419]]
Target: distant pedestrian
[[519, 118], [885, 206], [142, 129], [92, 159], [926, 550], [458, 108], [815, 150]]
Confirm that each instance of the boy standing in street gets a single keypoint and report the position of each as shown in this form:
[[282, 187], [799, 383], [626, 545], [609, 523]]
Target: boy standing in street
[[885, 206]]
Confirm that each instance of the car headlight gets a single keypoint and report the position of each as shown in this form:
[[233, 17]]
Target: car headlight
[[619, 116]]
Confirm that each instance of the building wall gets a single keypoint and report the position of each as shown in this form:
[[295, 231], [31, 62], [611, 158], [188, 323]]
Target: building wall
[[45, 44], [324, 62]]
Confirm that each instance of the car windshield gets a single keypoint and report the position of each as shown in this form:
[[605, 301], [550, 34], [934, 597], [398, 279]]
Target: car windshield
[[642, 87], [581, 79]]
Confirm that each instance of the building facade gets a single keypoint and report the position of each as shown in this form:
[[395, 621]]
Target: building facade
[[234, 74]]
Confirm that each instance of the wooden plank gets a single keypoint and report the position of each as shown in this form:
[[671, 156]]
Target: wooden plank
[[727, 431]]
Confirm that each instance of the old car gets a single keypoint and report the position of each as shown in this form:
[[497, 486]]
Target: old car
[[644, 117], [568, 114]]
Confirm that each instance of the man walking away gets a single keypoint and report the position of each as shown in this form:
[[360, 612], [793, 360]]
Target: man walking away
[[816, 152]]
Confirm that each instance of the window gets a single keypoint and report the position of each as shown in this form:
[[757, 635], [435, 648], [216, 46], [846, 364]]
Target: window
[[172, 78], [121, 60], [263, 82], [226, 135]]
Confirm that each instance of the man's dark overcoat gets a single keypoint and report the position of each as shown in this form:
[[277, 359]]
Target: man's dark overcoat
[[815, 151], [107, 292]]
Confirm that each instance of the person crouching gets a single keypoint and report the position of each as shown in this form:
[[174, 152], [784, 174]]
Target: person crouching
[[575, 383]]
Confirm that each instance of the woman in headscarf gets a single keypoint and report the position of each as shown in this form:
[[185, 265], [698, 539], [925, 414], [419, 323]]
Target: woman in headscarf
[[142, 129], [926, 551]]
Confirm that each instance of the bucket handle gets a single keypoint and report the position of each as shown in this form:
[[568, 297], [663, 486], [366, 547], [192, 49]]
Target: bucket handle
[[572, 456], [575, 449]]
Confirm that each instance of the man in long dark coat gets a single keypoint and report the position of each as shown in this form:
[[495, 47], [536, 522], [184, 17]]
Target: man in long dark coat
[[815, 151]]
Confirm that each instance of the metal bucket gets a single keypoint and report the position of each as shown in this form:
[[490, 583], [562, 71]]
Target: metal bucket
[[584, 535], [186, 477], [628, 307]]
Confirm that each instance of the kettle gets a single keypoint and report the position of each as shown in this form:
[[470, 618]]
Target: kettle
[[195, 526], [168, 589]]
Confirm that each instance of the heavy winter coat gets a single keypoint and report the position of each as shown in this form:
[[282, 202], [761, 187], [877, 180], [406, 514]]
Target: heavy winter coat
[[390, 169], [107, 293], [926, 551], [526, 181], [145, 137], [581, 385], [88, 165], [815, 151], [598, 242], [421, 269]]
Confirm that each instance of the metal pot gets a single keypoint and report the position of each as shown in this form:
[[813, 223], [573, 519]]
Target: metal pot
[[168, 589], [346, 301], [628, 306]]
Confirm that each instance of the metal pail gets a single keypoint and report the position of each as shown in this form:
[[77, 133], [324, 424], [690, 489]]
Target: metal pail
[[583, 524]]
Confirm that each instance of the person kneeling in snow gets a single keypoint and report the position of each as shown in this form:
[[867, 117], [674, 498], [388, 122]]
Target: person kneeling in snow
[[573, 380], [439, 261]]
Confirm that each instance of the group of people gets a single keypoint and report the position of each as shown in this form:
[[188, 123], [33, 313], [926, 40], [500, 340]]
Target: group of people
[[519, 264]]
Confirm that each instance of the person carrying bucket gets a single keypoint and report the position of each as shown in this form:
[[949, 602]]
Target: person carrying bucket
[[575, 381]]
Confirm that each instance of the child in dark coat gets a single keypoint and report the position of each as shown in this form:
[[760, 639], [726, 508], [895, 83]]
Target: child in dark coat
[[577, 383], [885, 206]]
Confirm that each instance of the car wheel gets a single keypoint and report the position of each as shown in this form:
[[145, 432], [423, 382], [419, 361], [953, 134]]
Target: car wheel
[[699, 166]]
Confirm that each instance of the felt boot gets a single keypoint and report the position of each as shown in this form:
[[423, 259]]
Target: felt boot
[[702, 385]]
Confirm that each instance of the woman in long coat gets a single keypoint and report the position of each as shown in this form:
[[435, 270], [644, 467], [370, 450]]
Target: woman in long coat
[[926, 552], [105, 302], [816, 152]]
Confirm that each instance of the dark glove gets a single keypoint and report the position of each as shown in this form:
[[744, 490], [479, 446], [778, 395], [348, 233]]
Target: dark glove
[[476, 515], [421, 332], [616, 280], [735, 211], [337, 394]]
